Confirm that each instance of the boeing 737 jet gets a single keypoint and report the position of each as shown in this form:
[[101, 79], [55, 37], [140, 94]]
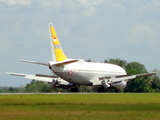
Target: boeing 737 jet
[[71, 73]]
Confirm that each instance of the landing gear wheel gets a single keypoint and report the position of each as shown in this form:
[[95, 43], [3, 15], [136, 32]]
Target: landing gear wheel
[[74, 89], [100, 89], [117, 91]]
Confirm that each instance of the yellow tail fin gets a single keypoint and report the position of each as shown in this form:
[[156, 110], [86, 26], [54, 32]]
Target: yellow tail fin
[[57, 50]]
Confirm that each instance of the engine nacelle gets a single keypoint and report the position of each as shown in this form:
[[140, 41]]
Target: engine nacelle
[[54, 83], [119, 85], [105, 84], [60, 83]]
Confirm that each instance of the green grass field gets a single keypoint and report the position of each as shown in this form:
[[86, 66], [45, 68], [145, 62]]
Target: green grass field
[[80, 107]]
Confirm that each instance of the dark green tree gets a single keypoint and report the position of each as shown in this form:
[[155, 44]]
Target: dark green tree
[[139, 84], [117, 61], [38, 86], [89, 60], [156, 81], [12, 89]]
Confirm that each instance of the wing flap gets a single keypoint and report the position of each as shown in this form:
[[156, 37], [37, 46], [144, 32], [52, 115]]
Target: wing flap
[[97, 83], [123, 78], [126, 77], [46, 76], [44, 79]]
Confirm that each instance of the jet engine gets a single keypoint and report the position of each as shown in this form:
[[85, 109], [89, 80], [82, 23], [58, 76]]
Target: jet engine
[[119, 85], [105, 84], [60, 83], [54, 83]]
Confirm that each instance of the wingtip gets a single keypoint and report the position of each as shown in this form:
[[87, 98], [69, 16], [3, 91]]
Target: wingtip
[[16, 74], [154, 73], [22, 60]]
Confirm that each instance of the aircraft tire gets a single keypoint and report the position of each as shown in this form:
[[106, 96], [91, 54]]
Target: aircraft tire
[[100, 89], [74, 89]]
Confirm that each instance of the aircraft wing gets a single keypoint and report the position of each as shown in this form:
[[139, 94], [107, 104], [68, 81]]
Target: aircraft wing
[[54, 80], [125, 77], [38, 77], [116, 79]]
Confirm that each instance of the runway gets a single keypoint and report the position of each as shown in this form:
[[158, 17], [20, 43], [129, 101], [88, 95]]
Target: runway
[[64, 93]]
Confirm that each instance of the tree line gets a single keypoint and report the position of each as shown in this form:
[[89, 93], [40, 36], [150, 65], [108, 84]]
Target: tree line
[[147, 84], [138, 85]]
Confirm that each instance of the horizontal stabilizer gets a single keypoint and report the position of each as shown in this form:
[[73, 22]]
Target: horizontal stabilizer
[[34, 62], [63, 62]]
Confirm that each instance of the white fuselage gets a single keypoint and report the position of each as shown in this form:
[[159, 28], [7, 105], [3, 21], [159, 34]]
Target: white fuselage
[[84, 73]]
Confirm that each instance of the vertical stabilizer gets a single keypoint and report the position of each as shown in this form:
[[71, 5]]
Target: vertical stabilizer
[[57, 51]]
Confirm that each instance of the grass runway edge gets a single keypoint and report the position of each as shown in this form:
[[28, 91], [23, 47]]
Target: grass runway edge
[[80, 106]]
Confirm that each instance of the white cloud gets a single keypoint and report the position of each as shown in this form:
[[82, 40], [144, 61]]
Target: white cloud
[[3, 44], [50, 3], [145, 7], [88, 12], [15, 2], [83, 1], [98, 24], [85, 8], [45, 3], [140, 34], [88, 8], [154, 6], [89, 2]]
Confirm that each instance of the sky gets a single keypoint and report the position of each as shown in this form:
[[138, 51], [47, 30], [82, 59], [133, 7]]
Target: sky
[[88, 29]]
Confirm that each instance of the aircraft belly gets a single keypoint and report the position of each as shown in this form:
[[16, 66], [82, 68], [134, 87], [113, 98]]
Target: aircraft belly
[[77, 77]]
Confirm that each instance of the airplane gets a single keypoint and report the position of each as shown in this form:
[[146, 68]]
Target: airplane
[[71, 73]]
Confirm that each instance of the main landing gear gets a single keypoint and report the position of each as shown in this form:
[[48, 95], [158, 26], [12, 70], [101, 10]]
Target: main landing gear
[[74, 89], [100, 90]]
